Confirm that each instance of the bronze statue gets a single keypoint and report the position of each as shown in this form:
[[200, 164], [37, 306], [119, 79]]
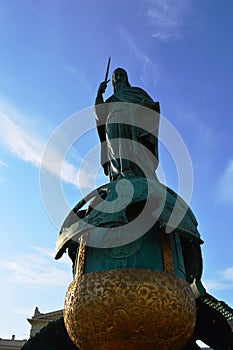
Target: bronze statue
[[121, 118], [153, 267], [145, 293]]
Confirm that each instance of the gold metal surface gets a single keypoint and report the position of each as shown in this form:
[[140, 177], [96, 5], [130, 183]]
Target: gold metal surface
[[129, 309], [79, 268], [167, 252]]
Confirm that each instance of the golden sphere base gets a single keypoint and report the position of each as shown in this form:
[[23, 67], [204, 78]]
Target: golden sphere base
[[129, 309]]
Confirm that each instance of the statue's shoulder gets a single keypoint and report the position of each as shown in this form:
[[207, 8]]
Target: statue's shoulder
[[112, 98], [141, 92], [137, 89]]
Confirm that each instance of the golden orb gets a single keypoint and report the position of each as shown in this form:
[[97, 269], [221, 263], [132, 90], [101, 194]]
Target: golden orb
[[129, 309]]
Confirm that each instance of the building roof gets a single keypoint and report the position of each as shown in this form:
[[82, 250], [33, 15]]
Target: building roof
[[13, 344], [45, 317]]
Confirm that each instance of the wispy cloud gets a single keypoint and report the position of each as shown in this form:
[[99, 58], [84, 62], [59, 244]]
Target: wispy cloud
[[223, 280], [225, 185], [20, 143], [71, 70], [149, 69], [50, 254], [205, 134], [227, 274], [37, 269], [21, 139], [167, 18], [3, 163], [80, 75]]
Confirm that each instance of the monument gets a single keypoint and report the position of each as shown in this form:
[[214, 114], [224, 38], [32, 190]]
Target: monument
[[136, 248], [135, 245]]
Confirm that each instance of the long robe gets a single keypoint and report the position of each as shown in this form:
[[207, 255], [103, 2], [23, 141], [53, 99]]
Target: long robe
[[128, 133]]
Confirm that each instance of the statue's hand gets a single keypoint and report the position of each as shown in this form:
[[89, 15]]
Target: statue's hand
[[103, 86]]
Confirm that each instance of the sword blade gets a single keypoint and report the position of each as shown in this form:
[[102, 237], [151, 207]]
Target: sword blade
[[107, 70]]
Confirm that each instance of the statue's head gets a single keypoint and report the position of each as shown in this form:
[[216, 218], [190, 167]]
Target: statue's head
[[119, 79]]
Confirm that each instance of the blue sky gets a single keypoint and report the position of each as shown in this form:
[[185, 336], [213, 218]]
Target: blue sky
[[53, 57]]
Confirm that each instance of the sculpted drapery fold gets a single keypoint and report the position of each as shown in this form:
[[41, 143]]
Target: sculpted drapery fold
[[127, 125]]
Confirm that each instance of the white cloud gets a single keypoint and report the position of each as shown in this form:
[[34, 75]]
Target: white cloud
[[149, 69], [205, 134], [225, 185], [80, 75], [227, 274], [71, 70], [167, 18], [86, 179], [213, 284], [20, 138], [20, 143], [3, 163], [224, 281], [30, 272], [38, 269], [50, 253]]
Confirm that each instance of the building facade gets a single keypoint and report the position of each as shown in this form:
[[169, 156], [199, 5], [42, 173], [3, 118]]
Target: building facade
[[37, 322], [11, 344], [40, 320]]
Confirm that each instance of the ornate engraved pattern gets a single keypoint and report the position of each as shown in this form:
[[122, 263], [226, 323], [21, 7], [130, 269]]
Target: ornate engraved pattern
[[167, 252], [79, 268], [129, 309]]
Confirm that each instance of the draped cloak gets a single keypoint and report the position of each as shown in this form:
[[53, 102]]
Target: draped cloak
[[128, 132]]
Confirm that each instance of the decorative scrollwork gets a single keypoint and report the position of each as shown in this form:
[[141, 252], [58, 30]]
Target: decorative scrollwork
[[120, 309]]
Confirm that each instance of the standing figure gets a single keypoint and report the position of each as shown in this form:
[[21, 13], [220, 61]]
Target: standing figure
[[127, 124]]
